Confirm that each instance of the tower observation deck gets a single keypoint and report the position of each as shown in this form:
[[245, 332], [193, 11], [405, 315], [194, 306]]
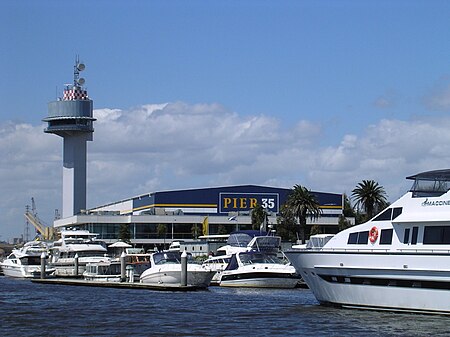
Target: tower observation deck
[[71, 117]]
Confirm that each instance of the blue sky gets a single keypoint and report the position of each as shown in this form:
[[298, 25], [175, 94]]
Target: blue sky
[[319, 93]]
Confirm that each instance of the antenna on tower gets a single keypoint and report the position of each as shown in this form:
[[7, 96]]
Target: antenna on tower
[[77, 80]]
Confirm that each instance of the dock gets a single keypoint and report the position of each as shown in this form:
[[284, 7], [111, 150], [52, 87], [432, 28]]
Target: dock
[[125, 285]]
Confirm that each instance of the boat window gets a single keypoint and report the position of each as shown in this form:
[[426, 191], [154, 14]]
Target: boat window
[[406, 236], [436, 235], [386, 215], [386, 236], [352, 238], [397, 211], [358, 238], [429, 187], [363, 237], [415, 233]]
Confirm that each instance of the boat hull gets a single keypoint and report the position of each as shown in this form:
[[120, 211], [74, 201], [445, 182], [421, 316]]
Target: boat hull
[[21, 271], [172, 276], [263, 277], [382, 281]]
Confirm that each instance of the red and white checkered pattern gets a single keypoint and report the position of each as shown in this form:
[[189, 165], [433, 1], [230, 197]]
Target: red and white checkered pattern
[[75, 94]]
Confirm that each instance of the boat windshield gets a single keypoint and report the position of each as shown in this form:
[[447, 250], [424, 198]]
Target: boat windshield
[[430, 184], [171, 257], [251, 258], [243, 238]]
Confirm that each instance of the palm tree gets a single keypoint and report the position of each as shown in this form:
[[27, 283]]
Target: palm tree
[[301, 203], [370, 196], [259, 216], [286, 225]]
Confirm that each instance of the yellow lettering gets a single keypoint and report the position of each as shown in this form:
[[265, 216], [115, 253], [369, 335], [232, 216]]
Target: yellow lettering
[[226, 202], [253, 202], [243, 202], [234, 202]]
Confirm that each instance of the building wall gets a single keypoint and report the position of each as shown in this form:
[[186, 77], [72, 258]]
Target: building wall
[[179, 211]]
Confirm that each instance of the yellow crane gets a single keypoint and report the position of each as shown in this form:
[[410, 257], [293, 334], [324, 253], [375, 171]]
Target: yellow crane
[[47, 232]]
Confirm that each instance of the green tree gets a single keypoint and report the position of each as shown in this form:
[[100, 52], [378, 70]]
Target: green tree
[[286, 225], [259, 216], [348, 210], [221, 230], [302, 204], [343, 223], [370, 196], [124, 233], [161, 230], [315, 229], [195, 230]]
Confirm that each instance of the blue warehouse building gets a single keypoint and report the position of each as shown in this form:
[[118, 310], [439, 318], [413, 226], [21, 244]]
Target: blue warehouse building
[[214, 210]]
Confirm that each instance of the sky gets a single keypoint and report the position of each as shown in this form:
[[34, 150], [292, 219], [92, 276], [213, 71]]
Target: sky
[[192, 94]]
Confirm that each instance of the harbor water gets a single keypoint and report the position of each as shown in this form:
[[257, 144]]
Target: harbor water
[[32, 309]]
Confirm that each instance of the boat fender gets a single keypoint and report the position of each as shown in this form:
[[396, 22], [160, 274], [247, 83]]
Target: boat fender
[[373, 234]]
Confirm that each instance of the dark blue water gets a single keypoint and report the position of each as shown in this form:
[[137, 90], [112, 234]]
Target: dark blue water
[[30, 309]]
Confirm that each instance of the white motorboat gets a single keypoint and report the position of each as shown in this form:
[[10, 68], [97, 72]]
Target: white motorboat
[[103, 271], [73, 243], [399, 260], [258, 269], [166, 270], [26, 261], [217, 264], [241, 241], [247, 240]]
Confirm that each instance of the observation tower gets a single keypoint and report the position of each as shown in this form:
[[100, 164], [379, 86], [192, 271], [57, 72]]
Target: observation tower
[[71, 118]]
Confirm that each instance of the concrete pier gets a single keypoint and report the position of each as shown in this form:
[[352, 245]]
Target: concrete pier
[[77, 282]]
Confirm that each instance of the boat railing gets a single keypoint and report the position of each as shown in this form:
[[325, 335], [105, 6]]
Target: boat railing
[[378, 250]]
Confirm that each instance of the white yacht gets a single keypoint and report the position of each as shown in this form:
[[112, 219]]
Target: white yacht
[[26, 261], [242, 241], [258, 270], [165, 269], [399, 260], [76, 242]]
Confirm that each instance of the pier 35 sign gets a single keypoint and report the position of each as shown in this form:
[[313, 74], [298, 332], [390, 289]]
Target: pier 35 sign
[[236, 202]]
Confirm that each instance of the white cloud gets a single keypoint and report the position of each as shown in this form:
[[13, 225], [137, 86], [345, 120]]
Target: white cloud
[[179, 145]]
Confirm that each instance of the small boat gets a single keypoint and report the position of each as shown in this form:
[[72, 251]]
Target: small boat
[[26, 261], [166, 270], [103, 271], [259, 270], [397, 261]]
